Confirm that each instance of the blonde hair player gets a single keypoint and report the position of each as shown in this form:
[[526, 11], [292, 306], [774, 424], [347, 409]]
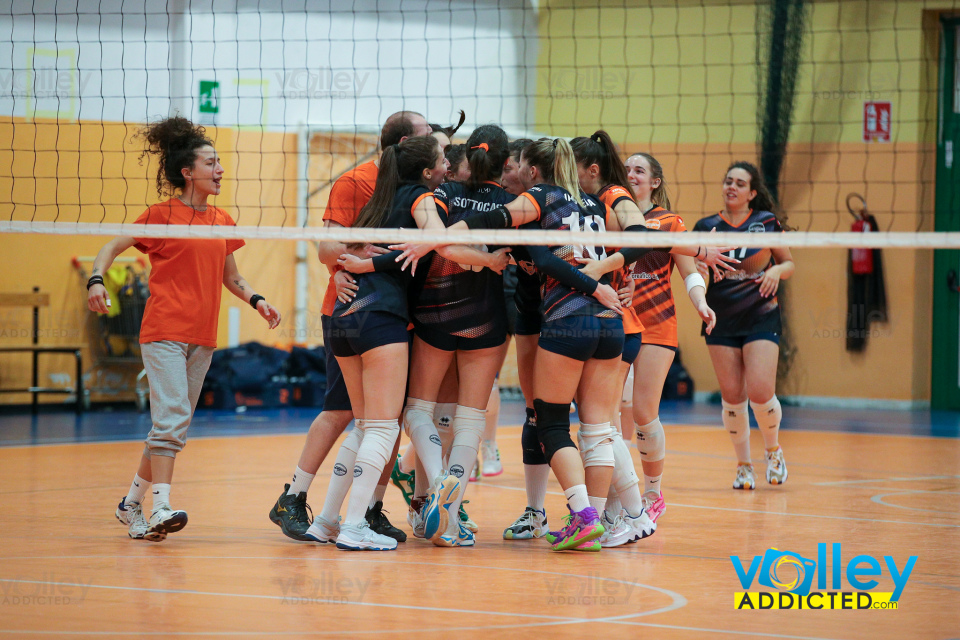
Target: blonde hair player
[[179, 329], [744, 343]]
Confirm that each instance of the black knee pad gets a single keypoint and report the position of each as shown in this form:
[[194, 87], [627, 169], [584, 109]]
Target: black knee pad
[[553, 427], [532, 451]]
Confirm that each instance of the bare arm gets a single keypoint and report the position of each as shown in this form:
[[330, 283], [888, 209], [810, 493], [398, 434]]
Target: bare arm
[[782, 270], [235, 284], [97, 294]]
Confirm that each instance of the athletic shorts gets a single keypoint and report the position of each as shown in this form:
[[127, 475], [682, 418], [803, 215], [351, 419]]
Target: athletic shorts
[[583, 337], [448, 342], [527, 324], [357, 333], [335, 398], [631, 347], [511, 317], [738, 341]]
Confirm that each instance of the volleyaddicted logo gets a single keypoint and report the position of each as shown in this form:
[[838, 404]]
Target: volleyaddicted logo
[[792, 575]]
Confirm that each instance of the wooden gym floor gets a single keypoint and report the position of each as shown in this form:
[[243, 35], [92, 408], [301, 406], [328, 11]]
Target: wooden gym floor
[[67, 568]]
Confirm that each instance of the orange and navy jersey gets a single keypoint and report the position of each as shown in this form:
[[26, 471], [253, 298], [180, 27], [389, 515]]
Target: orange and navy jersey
[[612, 195], [653, 297], [559, 211], [457, 300], [386, 291], [736, 299]]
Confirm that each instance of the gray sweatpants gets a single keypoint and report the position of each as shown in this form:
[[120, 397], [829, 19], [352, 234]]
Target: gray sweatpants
[[176, 371]]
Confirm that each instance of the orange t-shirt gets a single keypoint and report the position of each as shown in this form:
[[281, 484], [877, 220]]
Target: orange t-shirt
[[186, 276], [350, 192], [653, 297], [611, 195]]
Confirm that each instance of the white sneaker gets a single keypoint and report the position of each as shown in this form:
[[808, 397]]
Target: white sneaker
[[776, 467], [532, 524], [132, 516], [414, 518], [491, 459], [615, 532], [642, 525], [323, 531], [360, 537], [164, 521], [745, 478], [463, 538]]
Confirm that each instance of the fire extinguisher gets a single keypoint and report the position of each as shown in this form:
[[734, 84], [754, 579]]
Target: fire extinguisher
[[861, 260]]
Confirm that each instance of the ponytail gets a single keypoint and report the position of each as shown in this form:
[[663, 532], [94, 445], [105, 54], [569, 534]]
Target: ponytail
[[487, 151], [400, 163], [600, 150], [557, 164]]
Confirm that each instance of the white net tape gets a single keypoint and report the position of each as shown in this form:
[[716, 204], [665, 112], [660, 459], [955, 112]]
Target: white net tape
[[501, 237]]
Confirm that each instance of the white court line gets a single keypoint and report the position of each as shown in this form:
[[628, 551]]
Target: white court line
[[773, 513], [880, 496], [882, 480]]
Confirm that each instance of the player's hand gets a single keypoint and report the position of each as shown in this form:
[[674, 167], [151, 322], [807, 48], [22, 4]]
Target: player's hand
[[626, 292], [97, 298], [346, 286], [372, 250], [269, 313], [591, 268], [353, 264], [717, 258], [499, 260], [769, 282], [606, 296], [411, 254], [708, 315]]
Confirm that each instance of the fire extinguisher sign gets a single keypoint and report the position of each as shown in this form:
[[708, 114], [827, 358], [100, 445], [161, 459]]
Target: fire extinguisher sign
[[877, 121]]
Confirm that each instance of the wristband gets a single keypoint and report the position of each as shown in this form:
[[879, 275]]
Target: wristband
[[255, 298], [694, 280], [94, 280]]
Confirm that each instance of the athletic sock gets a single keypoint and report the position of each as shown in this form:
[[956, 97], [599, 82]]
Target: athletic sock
[[613, 505], [342, 477], [632, 500], [535, 478], [736, 422], [408, 459], [768, 415], [138, 489], [577, 497], [597, 503], [651, 484], [301, 482], [161, 495]]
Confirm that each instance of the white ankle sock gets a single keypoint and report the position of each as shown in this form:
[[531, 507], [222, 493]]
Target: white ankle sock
[[138, 489], [161, 495], [408, 459], [597, 503], [535, 477], [301, 482], [577, 497]]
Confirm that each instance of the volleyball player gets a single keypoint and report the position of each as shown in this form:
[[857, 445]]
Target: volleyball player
[[601, 171], [744, 344], [459, 167], [349, 194], [178, 333]]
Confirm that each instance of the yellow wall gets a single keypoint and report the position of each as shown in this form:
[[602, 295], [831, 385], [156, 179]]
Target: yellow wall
[[260, 170], [679, 79]]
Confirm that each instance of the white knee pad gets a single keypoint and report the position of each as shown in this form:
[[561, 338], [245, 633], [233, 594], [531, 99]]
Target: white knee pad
[[468, 426], [417, 415], [651, 441], [443, 415], [379, 437], [596, 444], [768, 414], [352, 442], [736, 421], [624, 473]]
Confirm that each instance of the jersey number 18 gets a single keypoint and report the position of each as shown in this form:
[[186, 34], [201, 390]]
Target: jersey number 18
[[590, 223]]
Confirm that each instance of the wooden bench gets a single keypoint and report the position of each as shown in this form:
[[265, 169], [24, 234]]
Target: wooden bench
[[37, 300]]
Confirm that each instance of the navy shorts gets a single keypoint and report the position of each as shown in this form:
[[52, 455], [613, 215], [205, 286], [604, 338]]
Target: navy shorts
[[738, 341], [583, 337], [335, 397], [527, 324], [357, 333], [448, 342], [631, 347]]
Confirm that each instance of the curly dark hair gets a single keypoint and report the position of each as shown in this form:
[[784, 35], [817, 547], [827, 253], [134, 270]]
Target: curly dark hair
[[175, 141]]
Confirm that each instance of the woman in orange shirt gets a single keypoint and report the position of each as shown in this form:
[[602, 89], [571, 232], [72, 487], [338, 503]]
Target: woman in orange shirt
[[178, 333]]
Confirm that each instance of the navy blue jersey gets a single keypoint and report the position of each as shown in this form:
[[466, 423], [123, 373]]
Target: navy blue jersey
[[527, 294], [387, 290], [736, 299], [455, 299], [559, 211]]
